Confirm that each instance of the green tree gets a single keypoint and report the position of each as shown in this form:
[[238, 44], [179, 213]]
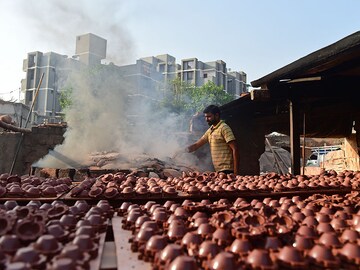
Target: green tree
[[207, 94], [65, 99], [183, 98]]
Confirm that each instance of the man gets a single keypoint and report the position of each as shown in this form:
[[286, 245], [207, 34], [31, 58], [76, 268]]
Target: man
[[222, 142]]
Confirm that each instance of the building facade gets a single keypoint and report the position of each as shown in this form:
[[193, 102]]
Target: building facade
[[146, 78]]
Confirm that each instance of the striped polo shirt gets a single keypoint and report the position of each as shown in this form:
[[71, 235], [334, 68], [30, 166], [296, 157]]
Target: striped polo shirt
[[218, 136]]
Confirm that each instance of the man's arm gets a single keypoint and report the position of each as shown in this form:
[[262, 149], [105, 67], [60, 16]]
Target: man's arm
[[235, 153], [196, 145]]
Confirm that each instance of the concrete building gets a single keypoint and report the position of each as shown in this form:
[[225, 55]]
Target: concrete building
[[19, 112], [147, 78], [90, 50]]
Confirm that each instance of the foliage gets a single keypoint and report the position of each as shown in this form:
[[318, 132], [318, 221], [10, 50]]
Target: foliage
[[65, 99], [187, 99]]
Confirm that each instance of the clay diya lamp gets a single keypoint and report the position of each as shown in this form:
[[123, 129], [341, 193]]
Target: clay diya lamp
[[205, 230], [223, 260], [183, 262], [272, 243], [241, 247], [330, 239], [29, 255], [97, 222], [259, 259], [129, 221], [222, 237], [6, 223], [222, 219], [322, 256], [88, 230], [191, 242], [303, 243], [141, 238], [159, 215], [349, 235], [111, 192], [176, 230], [153, 245], [33, 192], [47, 245], [57, 211], [123, 208], [73, 252], [58, 232], [139, 221], [10, 243], [350, 255], [167, 255], [291, 258], [86, 245], [207, 251], [63, 264], [68, 221], [324, 227], [29, 230], [95, 192]]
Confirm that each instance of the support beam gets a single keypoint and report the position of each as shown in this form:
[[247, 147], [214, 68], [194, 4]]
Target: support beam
[[294, 137]]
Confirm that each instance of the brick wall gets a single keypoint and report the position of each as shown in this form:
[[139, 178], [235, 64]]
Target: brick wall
[[35, 145]]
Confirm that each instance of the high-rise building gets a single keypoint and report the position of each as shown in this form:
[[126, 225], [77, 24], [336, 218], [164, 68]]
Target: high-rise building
[[143, 78]]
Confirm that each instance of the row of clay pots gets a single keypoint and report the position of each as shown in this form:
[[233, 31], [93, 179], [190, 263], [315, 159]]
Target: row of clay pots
[[319, 231], [120, 185], [51, 236], [14, 186]]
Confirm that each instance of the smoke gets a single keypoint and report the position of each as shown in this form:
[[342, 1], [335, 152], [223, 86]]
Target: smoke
[[107, 116], [56, 23], [108, 112]]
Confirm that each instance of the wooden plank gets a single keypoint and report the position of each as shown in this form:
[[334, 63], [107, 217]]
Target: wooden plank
[[109, 260], [127, 260], [95, 264]]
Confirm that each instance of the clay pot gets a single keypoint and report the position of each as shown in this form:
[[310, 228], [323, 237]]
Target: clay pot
[[73, 252], [29, 230], [208, 250], [30, 256], [47, 245], [303, 243], [222, 237], [349, 235], [58, 232], [292, 258], [155, 244], [259, 259], [330, 239], [168, 254], [10, 243], [350, 253], [191, 241], [240, 246], [223, 261], [6, 223], [322, 256], [183, 263], [86, 244]]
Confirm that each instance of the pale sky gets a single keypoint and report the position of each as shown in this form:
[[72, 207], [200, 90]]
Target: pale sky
[[254, 36]]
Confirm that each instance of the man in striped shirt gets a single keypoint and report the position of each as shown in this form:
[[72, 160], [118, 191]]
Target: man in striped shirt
[[222, 142]]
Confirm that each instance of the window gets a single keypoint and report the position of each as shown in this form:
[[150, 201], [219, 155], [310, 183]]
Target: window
[[189, 75], [188, 65], [205, 75]]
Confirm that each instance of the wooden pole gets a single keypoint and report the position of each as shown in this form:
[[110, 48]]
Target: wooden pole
[[294, 138], [303, 146], [27, 120]]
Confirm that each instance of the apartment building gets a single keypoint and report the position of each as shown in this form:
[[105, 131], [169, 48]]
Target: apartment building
[[146, 78]]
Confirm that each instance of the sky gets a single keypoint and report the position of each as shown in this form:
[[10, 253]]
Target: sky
[[254, 36]]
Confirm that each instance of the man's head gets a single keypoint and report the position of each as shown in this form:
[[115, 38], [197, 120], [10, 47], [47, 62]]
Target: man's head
[[212, 114]]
